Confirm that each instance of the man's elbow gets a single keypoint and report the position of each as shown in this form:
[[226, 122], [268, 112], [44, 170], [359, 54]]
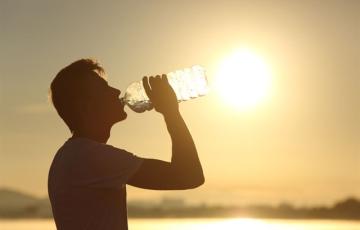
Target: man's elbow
[[201, 181], [197, 182], [189, 179]]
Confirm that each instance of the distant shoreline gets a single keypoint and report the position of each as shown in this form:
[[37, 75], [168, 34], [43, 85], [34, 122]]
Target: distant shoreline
[[17, 205]]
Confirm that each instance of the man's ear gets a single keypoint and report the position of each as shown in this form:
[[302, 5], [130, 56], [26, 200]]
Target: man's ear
[[87, 109], [82, 109]]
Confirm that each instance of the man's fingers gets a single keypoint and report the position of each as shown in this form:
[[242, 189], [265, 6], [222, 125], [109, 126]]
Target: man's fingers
[[146, 86], [164, 78], [157, 81], [151, 81]]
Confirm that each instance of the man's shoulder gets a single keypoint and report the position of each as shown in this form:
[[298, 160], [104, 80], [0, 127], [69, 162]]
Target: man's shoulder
[[83, 147], [84, 144]]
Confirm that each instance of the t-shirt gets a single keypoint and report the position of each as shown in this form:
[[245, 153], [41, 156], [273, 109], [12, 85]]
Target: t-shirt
[[87, 185]]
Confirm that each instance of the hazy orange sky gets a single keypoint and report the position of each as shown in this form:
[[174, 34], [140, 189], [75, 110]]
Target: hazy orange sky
[[301, 145]]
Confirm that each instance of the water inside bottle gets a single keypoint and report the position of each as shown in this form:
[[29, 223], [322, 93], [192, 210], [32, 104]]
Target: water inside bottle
[[187, 84]]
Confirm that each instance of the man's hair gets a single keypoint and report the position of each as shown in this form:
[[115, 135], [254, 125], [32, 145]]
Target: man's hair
[[68, 90]]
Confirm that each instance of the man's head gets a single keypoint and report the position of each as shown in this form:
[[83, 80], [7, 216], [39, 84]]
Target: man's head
[[82, 96]]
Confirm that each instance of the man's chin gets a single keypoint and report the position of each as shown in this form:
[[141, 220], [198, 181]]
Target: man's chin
[[123, 116]]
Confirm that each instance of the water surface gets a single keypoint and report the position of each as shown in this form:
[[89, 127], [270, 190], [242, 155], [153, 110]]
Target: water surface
[[198, 224]]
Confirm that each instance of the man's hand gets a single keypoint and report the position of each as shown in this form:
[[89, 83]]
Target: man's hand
[[184, 171], [161, 95]]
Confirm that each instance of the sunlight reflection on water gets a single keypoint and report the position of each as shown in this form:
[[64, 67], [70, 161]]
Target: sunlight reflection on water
[[199, 224], [246, 224]]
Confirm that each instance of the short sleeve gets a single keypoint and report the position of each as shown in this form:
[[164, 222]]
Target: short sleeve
[[103, 166]]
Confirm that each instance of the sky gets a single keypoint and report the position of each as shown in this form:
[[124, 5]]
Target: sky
[[301, 145]]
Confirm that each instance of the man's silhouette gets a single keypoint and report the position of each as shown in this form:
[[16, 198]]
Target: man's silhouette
[[87, 178]]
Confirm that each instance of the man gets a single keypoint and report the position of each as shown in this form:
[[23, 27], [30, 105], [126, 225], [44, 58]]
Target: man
[[87, 178]]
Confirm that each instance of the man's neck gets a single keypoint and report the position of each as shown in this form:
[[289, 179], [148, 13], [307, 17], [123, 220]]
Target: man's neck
[[98, 134]]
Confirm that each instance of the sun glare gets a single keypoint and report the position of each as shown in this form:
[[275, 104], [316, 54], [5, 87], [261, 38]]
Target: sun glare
[[243, 79], [245, 223]]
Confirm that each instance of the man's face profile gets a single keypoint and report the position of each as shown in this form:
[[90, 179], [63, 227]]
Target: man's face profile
[[102, 102]]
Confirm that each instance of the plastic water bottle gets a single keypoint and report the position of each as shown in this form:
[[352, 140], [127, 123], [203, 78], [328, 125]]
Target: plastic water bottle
[[187, 83]]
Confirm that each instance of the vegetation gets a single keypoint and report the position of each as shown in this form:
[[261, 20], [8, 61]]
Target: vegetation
[[14, 204]]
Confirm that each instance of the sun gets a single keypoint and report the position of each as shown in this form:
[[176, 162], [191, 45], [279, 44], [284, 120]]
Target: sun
[[243, 79]]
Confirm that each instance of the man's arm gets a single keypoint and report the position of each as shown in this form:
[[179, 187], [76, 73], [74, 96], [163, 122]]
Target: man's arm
[[184, 171]]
